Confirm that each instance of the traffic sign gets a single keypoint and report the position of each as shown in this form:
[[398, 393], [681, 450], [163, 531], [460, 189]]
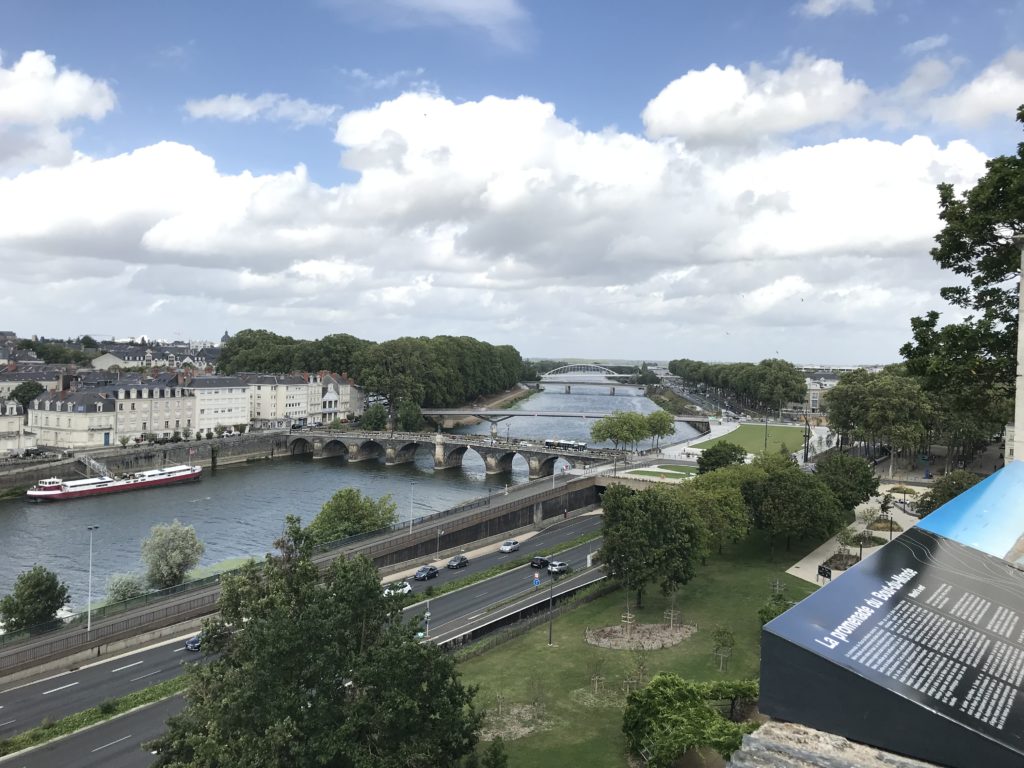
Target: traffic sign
[[536, 581]]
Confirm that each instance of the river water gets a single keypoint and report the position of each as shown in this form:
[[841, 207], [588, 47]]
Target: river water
[[240, 510]]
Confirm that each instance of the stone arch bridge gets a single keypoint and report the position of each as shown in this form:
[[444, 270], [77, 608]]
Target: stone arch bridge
[[447, 450]]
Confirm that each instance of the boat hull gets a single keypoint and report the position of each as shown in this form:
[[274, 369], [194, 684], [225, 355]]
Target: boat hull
[[114, 486]]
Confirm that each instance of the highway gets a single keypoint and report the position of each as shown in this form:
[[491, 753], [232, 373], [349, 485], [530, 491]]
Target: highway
[[25, 705]]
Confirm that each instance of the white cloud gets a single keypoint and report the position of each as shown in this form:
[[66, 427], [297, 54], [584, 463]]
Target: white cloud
[[276, 107], [823, 8], [36, 100], [410, 79], [501, 19], [925, 44], [725, 105], [996, 91]]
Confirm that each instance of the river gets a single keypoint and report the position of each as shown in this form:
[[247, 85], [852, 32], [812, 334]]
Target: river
[[240, 510]]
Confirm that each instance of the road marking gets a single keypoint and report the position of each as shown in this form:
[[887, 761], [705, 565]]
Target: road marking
[[482, 594], [179, 650], [35, 682], [7, 723], [54, 690], [126, 666], [113, 743], [148, 674], [474, 618]]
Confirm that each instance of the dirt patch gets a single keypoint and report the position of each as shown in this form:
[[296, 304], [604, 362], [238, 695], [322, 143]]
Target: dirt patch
[[515, 721], [649, 637], [840, 562]]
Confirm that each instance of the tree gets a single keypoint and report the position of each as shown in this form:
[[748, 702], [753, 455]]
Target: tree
[[123, 440], [660, 424], [88, 342], [26, 392], [652, 535], [850, 478], [348, 513], [719, 455], [37, 596], [410, 419], [124, 586], [945, 489], [720, 501], [375, 418], [169, 553], [621, 428], [776, 605], [187, 433], [325, 673]]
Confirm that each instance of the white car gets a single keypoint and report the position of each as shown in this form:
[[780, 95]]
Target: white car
[[509, 546], [398, 588]]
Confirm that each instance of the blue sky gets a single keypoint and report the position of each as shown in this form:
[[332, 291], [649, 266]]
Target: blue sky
[[409, 166]]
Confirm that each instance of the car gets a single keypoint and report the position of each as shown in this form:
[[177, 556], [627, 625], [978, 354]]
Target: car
[[459, 561], [194, 643], [509, 546], [557, 566], [539, 561], [397, 588], [426, 572]]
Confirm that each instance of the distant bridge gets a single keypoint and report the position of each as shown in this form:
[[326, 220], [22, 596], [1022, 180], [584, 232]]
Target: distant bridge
[[448, 450], [592, 375], [494, 416]]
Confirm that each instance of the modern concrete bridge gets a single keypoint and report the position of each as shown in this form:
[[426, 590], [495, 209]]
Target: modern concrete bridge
[[448, 450], [591, 375]]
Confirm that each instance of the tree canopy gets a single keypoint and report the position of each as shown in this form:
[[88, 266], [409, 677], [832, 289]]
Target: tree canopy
[[769, 384], [347, 513], [946, 488], [851, 479], [170, 552], [325, 673], [26, 392], [721, 454], [37, 596]]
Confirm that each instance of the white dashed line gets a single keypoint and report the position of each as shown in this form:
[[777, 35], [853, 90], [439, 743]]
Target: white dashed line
[[150, 674], [126, 666], [113, 743], [54, 690]]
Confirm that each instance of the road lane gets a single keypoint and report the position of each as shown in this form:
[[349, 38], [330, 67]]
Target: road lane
[[26, 705]]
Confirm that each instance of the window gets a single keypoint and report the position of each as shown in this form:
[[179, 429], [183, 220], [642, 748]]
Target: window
[[167, 425], [202, 411], [177, 423], [143, 426], [133, 406], [120, 406]]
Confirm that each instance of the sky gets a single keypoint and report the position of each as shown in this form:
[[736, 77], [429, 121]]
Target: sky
[[725, 181]]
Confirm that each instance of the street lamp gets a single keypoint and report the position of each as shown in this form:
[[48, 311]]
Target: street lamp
[[88, 607], [551, 613], [412, 488], [426, 619]]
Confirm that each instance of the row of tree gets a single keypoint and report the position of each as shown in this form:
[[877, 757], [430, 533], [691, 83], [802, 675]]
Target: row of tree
[[628, 428], [896, 409], [769, 384], [433, 372]]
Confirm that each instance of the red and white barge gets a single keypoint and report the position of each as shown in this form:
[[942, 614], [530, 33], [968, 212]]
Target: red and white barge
[[56, 489]]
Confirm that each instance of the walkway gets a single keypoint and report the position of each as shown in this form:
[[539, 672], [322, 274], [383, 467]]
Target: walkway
[[807, 567]]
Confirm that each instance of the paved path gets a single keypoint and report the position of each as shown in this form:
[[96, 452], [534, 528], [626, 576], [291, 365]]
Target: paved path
[[807, 567]]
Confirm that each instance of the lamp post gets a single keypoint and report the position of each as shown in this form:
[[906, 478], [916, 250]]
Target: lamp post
[[412, 488], [88, 607], [426, 619]]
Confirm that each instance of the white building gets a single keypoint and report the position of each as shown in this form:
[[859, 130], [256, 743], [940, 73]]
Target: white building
[[160, 406], [72, 420], [220, 401], [13, 440], [276, 400]]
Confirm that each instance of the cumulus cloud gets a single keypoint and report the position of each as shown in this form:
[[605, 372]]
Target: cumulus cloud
[[925, 44], [36, 100], [823, 8], [724, 105], [276, 107], [996, 91]]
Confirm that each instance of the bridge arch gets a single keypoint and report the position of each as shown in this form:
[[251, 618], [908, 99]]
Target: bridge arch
[[333, 448], [299, 446], [578, 369]]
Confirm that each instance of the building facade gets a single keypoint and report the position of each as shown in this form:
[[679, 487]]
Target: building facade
[[220, 401], [13, 440], [277, 400]]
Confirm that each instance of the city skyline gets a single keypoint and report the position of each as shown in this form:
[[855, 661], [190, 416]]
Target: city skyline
[[734, 182]]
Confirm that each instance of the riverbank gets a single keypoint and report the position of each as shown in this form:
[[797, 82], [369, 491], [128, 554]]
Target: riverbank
[[495, 400]]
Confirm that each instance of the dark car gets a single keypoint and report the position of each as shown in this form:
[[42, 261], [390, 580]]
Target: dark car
[[425, 572], [194, 643], [459, 561], [539, 562]]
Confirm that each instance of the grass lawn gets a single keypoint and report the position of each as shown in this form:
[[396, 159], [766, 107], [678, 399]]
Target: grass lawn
[[580, 728], [674, 471], [751, 438], [223, 565]]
